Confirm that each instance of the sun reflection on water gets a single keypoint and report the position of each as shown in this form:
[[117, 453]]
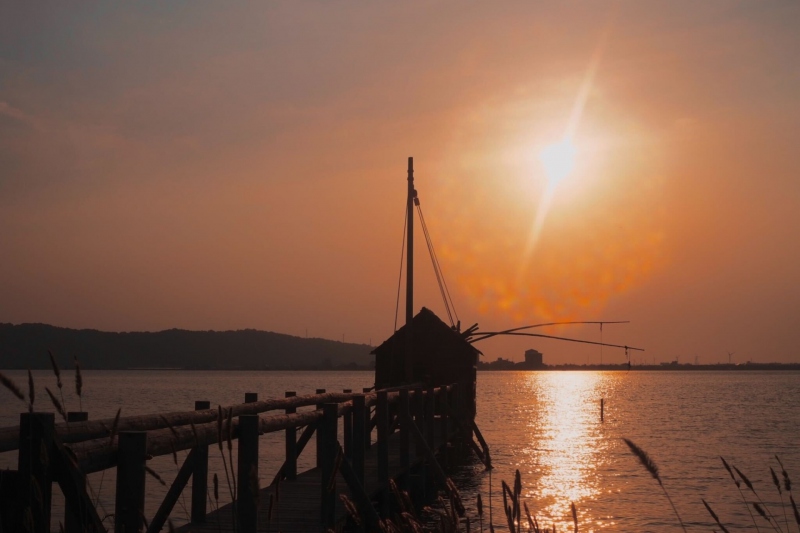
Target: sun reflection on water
[[565, 444]]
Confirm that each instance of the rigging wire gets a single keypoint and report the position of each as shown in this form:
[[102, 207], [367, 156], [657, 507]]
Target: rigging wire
[[433, 262], [435, 259], [400, 276]]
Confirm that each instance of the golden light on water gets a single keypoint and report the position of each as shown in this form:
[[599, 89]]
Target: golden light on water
[[566, 446]]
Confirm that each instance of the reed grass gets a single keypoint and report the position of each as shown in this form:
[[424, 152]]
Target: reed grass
[[31, 391], [57, 372], [715, 517], [12, 387], [78, 384], [650, 465], [57, 404]]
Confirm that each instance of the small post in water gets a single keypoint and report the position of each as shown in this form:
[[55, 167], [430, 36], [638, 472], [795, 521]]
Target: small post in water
[[602, 406]]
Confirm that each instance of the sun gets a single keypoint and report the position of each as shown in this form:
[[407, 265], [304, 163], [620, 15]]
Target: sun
[[558, 160]]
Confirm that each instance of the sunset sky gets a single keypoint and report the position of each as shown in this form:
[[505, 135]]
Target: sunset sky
[[208, 165]]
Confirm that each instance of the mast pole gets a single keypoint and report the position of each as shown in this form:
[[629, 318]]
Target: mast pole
[[409, 271]]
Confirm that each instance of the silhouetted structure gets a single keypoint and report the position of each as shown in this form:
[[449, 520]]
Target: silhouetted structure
[[440, 356], [533, 359]]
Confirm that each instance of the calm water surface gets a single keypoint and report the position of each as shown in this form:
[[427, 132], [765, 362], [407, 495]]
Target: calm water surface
[[546, 424]]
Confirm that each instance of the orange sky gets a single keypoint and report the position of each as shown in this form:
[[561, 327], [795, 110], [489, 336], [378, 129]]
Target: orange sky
[[206, 167]]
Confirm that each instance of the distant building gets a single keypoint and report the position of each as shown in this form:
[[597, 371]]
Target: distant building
[[533, 359]]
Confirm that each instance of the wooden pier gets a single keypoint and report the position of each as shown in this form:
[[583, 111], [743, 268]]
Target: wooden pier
[[365, 443]]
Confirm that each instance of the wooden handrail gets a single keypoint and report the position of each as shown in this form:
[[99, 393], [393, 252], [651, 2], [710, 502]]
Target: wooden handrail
[[99, 454], [94, 429]]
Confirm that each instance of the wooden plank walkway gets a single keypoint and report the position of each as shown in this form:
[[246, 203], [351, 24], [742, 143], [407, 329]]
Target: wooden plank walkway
[[298, 510]]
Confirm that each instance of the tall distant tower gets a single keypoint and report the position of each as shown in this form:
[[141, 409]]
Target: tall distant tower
[[534, 359]]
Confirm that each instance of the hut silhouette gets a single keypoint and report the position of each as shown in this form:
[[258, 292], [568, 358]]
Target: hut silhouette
[[440, 355]]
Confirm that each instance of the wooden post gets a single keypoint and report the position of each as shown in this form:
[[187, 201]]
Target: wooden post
[[403, 411], [131, 457], [347, 429], [430, 416], [327, 436], [291, 443], [382, 415], [368, 432], [77, 416], [602, 406], [319, 443], [200, 474], [250, 397], [247, 504], [360, 428], [36, 432], [72, 522]]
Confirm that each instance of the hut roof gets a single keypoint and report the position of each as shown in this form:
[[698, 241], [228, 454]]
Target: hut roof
[[428, 328]]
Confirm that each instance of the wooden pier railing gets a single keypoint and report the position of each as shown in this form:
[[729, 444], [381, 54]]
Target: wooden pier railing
[[403, 418]]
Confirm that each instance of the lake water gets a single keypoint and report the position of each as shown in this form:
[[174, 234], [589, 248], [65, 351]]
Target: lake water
[[546, 424]]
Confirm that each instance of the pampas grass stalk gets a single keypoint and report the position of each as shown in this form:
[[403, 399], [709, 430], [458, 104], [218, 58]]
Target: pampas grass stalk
[[796, 513], [715, 517], [777, 484], [649, 465], [762, 509], [56, 404], [57, 372], [31, 391], [739, 488], [78, 383], [155, 475], [12, 387]]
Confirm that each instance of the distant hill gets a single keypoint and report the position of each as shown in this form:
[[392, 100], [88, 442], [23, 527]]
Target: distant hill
[[26, 345]]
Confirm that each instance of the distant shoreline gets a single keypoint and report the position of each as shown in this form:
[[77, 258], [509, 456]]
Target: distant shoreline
[[492, 367], [753, 367]]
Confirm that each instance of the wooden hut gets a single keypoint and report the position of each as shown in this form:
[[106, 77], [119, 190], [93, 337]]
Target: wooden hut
[[440, 355]]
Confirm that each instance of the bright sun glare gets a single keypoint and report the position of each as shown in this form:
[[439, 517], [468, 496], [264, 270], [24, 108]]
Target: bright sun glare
[[558, 160]]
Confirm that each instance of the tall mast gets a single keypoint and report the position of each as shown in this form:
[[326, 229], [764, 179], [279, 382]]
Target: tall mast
[[407, 360], [410, 245]]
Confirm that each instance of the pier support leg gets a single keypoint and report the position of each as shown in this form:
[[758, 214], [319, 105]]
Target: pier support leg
[[327, 436], [368, 432], [200, 475], [382, 415], [319, 444], [405, 454], [72, 522], [360, 424], [291, 443], [33, 463], [247, 504], [347, 429], [129, 508]]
